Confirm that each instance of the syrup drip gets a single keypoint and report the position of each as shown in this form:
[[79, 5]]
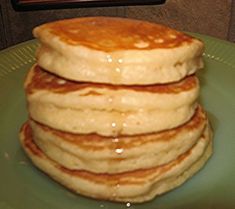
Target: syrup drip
[[115, 64], [128, 204], [117, 124], [118, 149], [115, 188], [118, 146]]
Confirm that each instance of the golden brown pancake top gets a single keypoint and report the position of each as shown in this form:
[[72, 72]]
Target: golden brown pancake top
[[43, 80], [111, 34], [96, 142]]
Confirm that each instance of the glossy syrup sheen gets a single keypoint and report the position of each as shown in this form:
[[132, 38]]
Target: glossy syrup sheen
[[111, 34], [43, 80]]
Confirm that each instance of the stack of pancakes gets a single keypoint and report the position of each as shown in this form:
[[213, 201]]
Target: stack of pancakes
[[113, 106]]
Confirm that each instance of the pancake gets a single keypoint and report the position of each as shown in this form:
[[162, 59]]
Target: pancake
[[80, 107], [118, 154], [117, 51], [135, 186], [49, 88]]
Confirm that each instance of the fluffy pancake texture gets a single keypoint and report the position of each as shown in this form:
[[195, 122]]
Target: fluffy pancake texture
[[117, 51], [134, 186], [80, 107], [113, 107], [118, 154], [49, 88]]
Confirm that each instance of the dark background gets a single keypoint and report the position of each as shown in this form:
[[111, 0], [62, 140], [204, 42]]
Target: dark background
[[211, 17]]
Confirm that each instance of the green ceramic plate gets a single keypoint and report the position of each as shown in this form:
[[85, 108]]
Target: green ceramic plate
[[22, 186]]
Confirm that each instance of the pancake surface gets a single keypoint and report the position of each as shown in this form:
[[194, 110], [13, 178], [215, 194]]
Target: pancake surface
[[115, 50], [118, 154], [80, 107], [136, 186]]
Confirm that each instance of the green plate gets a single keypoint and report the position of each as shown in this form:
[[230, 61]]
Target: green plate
[[22, 186]]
